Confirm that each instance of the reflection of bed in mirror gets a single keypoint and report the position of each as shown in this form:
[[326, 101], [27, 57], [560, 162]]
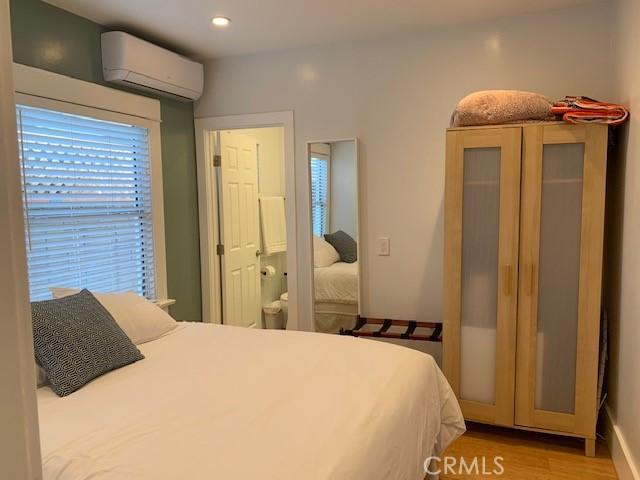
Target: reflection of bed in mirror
[[336, 303], [333, 173]]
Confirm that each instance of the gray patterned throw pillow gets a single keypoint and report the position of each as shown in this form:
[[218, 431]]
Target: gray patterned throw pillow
[[76, 340], [344, 244]]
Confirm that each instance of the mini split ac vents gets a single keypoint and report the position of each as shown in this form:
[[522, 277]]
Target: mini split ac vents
[[130, 61]]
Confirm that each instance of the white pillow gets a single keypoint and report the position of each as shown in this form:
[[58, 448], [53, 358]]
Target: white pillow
[[324, 254], [139, 318]]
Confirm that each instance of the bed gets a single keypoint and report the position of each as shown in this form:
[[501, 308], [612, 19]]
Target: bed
[[221, 402], [336, 296]]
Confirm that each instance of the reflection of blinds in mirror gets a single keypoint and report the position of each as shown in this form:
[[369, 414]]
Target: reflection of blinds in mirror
[[319, 195]]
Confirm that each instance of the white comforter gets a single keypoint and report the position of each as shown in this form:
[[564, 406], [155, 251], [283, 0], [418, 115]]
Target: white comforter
[[337, 283], [224, 403]]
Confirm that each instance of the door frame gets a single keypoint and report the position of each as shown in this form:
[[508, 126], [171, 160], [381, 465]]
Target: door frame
[[208, 206], [20, 454]]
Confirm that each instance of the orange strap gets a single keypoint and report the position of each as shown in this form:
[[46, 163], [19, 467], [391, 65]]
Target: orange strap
[[586, 110]]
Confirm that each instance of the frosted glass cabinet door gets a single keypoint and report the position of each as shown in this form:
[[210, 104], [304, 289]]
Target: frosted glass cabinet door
[[479, 277], [481, 237], [560, 268]]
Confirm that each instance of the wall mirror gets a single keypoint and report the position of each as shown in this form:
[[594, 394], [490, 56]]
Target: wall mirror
[[333, 174]]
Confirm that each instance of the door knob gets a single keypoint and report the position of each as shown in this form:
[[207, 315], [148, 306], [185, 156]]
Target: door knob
[[258, 253]]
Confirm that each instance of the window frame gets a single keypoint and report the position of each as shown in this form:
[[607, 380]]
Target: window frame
[[41, 89]]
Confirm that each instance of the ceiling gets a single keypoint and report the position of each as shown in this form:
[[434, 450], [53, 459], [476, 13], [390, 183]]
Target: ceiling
[[270, 25]]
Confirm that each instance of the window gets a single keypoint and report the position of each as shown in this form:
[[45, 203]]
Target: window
[[88, 203], [319, 194]]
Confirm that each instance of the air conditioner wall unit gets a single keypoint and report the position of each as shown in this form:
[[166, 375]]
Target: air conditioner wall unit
[[131, 61]]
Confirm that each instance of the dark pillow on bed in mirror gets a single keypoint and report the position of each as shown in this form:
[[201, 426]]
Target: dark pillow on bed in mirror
[[76, 340], [344, 244]]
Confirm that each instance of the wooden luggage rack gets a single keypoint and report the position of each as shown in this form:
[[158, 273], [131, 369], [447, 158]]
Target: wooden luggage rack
[[387, 329]]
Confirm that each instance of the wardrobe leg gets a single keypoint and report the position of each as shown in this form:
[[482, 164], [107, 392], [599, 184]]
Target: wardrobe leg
[[590, 447]]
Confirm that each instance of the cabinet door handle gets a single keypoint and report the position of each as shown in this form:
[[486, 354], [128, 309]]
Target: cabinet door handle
[[506, 279], [532, 280]]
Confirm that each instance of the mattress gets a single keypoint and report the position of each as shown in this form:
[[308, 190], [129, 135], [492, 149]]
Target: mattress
[[337, 283], [331, 317], [212, 401]]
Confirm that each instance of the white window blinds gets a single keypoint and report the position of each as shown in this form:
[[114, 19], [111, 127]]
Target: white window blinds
[[319, 195], [87, 193]]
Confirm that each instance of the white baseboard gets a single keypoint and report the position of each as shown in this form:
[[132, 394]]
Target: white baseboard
[[619, 449]]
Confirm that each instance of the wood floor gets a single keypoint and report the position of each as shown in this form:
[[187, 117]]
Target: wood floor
[[530, 456]]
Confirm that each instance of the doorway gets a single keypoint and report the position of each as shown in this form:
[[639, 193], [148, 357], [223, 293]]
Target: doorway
[[247, 220], [252, 226]]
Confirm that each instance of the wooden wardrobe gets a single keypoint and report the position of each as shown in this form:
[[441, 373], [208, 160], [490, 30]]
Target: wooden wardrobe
[[524, 219]]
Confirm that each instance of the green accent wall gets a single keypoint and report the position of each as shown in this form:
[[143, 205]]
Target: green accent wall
[[47, 37]]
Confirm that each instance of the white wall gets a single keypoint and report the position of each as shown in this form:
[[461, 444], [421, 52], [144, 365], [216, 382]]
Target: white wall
[[622, 279], [270, 183], [344, 188], [396, 94]]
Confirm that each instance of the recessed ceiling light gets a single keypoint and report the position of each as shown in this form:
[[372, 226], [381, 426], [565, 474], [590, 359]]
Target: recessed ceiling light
[[219, 21]]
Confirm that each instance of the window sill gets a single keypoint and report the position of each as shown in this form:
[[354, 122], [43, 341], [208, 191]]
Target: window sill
[[163, 303]]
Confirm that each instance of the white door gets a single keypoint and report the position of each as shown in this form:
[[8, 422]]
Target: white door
[[240, 232]]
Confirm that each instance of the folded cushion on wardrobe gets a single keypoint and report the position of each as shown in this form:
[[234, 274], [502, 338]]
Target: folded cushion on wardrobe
[[492, 107]]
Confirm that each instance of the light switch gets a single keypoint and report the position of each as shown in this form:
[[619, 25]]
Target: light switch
[[383, 246]]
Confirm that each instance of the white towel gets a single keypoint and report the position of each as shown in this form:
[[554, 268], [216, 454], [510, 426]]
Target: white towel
[[274, 228]]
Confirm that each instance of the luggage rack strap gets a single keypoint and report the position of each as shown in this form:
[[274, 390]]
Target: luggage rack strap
[[410, 329], [385, 326]]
